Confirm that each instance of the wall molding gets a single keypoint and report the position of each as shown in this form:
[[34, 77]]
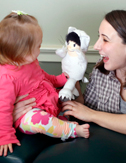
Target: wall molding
[[48, 55]]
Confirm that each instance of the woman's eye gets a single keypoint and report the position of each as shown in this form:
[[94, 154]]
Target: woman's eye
[[105, 40], [74, 45]]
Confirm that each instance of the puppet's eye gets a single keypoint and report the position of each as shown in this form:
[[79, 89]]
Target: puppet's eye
[[74, 45]]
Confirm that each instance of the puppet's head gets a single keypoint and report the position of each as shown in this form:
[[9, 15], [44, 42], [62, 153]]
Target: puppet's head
[[73, 41], [79, 39]]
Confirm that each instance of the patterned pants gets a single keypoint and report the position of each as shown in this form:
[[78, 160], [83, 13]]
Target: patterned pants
[[39, 121]]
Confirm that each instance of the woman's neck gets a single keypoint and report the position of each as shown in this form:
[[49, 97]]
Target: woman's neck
[[121, 76]]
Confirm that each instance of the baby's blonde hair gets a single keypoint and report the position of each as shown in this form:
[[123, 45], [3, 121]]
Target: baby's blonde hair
[[18, 37]]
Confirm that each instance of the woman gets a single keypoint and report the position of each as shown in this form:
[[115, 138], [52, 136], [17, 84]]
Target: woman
[[105, 95]]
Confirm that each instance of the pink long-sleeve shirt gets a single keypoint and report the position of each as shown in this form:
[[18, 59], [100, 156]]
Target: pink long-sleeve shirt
[[29, 79]]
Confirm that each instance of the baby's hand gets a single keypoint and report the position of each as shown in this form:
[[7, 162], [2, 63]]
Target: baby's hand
[[4, 149], [67, 76]]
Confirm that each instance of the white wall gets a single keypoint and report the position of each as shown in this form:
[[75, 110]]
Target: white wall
[[55, 16]]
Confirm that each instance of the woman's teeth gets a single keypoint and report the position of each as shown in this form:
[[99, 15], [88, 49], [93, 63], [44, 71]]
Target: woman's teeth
[[102, 56], [105, 58]]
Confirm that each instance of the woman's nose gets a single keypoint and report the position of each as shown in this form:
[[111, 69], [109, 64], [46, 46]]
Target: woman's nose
[[97, 45]]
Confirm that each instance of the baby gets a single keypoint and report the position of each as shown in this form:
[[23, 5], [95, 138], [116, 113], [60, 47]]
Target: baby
[[20, 42]]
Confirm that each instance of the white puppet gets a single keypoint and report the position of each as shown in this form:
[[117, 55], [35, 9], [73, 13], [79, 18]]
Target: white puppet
[[74, 62]]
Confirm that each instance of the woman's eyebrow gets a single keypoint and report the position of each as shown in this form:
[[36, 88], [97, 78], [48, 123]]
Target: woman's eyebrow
[[105, 36]]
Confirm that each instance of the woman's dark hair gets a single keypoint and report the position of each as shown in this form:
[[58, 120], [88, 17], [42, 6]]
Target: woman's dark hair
[[73, 37], [117, 19]]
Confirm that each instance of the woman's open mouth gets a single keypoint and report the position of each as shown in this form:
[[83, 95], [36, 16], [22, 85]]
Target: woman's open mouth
[[105, 58]]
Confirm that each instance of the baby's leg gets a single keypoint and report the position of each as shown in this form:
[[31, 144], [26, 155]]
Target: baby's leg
[[66, 118], [39, 121], [82, 130]]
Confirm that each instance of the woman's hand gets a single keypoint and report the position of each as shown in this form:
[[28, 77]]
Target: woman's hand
[[22, 107], [4, 149], [78, 110]]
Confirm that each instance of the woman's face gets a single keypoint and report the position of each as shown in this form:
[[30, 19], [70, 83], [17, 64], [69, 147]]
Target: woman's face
[[110, 47]]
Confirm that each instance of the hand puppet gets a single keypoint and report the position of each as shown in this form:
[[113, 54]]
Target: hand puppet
[[74, 62]]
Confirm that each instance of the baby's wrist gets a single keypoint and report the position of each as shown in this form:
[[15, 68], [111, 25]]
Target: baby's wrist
[[66, 75]]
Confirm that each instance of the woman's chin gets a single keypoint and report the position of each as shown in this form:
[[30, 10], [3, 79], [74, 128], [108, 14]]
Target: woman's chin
[[108, 68]]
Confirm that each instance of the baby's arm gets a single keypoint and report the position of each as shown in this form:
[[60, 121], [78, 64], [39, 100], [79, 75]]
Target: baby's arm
[[57, 81], [7, 98]]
